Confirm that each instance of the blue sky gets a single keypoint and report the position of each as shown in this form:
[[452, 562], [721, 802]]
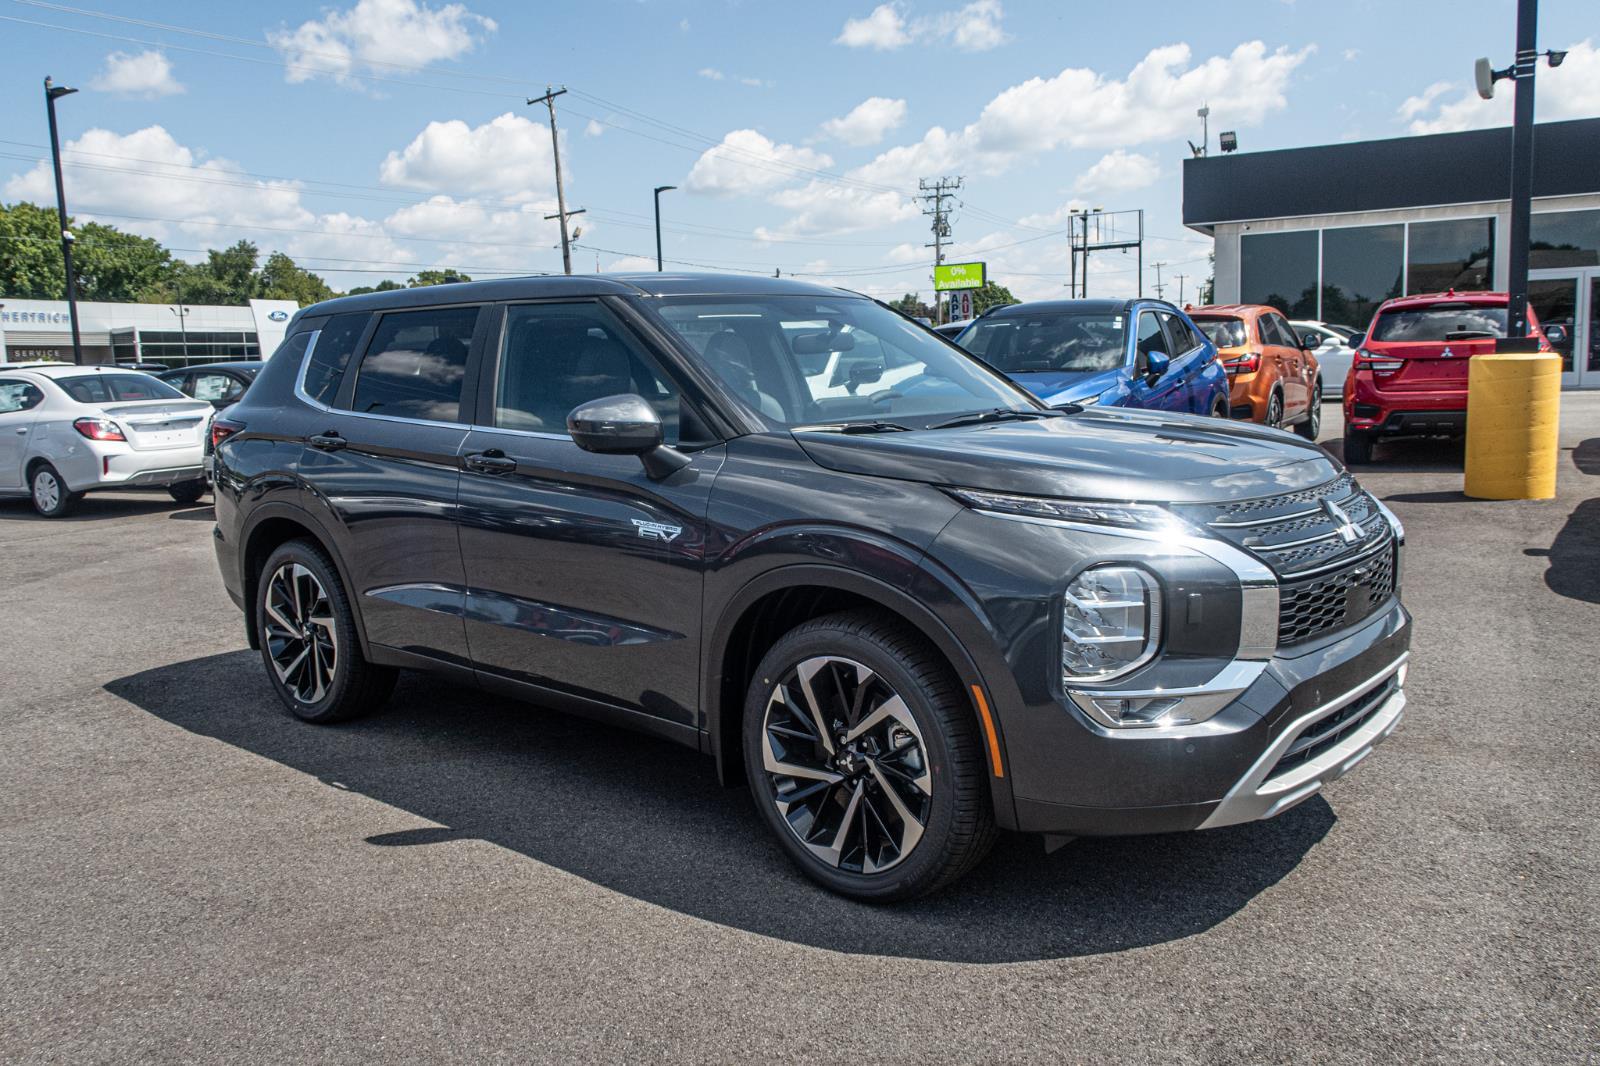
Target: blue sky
[[373, 138]]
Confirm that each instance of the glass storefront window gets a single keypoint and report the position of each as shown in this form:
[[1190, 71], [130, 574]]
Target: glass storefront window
[[1361, 268], [1455, 253], [1280, 269], [1563, 239]]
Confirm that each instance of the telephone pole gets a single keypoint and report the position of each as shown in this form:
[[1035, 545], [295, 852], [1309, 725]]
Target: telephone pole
[[1180, 278], [549, 101], [936, 193], [1160, 289]]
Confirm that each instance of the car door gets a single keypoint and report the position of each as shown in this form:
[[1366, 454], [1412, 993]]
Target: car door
[[382, 464], [1166, 392], [1184, 349], [18, 399], [584, 575], [1291, 362]]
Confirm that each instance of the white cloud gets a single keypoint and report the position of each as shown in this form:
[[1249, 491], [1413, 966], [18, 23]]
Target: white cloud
[[1118, 171], [378, 36], [1052, 219], [745, 162], [593, 129], [868, 121], [1350, 54], [823, 209], [711, 73], [754, 83], [1081, 108], [884, 30], [1571, 90], [973, 28], [630, 264], [148, 74], [508, 156]]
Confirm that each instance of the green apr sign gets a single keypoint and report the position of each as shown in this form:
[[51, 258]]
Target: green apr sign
[[947, 276]]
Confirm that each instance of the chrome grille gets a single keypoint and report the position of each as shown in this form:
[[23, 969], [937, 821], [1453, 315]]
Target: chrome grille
[[1302, 532], [1339, 488], [1312, 606]]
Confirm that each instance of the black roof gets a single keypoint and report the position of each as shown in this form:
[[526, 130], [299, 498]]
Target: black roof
[[547, 285], [251, 365], [1398, 172], [1095, 306]]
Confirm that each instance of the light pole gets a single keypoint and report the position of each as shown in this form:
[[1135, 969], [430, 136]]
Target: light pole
[[183, 331], [659, 190], [1521, 72], [51, 92]]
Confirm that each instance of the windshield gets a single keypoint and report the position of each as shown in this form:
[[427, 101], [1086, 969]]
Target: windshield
[[108, 388], [801, 360], [1221, 331], [1026, 344], [1461, 322]]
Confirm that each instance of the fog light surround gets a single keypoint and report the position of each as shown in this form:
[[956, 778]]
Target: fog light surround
[[1110, 623]]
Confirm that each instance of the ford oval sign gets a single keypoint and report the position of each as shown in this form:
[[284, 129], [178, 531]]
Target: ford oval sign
[[277, 316]]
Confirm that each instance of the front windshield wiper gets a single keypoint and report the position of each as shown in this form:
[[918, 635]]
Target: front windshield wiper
[[994, 414], [860, 427]]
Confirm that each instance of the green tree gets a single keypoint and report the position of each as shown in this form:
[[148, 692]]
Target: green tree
[[226, 277], [911, 305], [30, 253], [991, 295], [446, 276], [281, 279], [117, 267], [386, 285]]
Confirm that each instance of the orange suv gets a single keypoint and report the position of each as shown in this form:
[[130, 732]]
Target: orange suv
[[1271, 378]]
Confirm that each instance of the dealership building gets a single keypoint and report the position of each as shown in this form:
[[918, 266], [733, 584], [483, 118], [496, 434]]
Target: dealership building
[[175, 334], [1331, 232]]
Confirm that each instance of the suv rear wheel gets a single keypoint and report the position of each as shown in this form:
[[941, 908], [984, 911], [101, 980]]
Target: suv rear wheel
[[1275, 411], [309, 641], [49, 493], [187, 492], [863, 757], [1311, 425], [1357, 447]]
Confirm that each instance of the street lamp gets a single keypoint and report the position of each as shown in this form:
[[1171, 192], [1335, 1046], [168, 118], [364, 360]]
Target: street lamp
[[659, 190], [51, 92], [183, 330]]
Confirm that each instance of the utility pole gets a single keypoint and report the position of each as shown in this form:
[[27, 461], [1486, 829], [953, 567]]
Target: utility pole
[[51, 92], [659, 190], [549, 101], [1160, 289], [1180, 278], [1526, 63], [936, 193]]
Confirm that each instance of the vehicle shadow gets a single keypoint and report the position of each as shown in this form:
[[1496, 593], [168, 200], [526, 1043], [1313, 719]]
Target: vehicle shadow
[[647, 818], [95, 507], [200, 513], [1574, 555], [1586, 456], [1408, 455]]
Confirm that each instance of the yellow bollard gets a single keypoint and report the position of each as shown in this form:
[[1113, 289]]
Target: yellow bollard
[[1513, 412]]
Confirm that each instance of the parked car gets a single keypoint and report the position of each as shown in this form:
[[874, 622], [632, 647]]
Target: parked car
[[905, 616], [1409, 377], [952, 330], [66, 430], [1115, 353], [219, 384], [1272, 378], [145, 367], [1331, 345]]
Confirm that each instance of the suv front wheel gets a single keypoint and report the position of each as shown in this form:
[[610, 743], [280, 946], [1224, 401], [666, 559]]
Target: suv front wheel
[[309, 641], [863, 756]]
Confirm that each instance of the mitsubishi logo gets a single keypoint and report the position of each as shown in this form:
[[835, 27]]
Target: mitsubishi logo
[[1447, 354], [1349, 532]]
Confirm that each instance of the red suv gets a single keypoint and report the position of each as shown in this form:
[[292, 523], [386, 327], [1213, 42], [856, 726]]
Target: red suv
[[1409, 377]]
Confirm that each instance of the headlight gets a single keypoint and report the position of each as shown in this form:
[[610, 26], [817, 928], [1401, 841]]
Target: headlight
[[1110, 623], [1094, 512]]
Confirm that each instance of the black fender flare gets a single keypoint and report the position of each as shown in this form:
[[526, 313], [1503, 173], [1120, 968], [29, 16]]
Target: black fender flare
[[300, 516]]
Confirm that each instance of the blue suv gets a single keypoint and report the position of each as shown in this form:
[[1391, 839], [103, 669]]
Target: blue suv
[[1115, 353]]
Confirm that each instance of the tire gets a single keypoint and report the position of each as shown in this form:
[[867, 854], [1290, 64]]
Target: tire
[[1357, 448], [1219, 409], [304, 618], [49, 492], [1274, 411], [1311, 426], [902, 811], [188, 492]]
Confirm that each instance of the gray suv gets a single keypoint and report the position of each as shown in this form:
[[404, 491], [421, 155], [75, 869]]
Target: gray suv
[[782, 524]]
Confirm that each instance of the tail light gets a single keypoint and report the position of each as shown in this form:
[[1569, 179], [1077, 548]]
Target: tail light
[[99, 429], [222, 429], [1248, 363], [1365, 360]]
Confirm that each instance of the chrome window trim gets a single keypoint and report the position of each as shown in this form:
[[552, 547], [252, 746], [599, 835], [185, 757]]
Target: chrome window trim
[[304, 397]]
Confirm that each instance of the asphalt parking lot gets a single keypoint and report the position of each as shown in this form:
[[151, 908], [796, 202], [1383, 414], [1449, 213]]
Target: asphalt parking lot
[[190, 874]]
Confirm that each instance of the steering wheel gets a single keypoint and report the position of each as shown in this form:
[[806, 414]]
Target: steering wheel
[[884, 396]]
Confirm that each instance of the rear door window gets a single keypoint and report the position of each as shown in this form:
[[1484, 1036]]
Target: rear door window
[[215, 387], [1179, 340], [416, 364], [1275, 331], [331, 355], [18, 396]]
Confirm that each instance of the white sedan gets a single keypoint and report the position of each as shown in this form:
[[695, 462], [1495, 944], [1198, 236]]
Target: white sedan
[[67, 430]]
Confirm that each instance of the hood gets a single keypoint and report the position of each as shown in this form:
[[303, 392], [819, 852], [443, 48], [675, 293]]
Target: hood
[[1105, 454], [1059, 386]]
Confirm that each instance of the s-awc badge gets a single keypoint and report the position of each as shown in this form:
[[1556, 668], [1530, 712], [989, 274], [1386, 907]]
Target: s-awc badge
[[656, 530]]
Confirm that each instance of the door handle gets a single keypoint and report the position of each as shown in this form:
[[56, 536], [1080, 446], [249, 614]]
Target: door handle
[[493, 461], [22, 429], [328, 442]]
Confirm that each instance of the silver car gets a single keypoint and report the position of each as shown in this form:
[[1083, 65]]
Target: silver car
[[1331, 345], [66, 430]]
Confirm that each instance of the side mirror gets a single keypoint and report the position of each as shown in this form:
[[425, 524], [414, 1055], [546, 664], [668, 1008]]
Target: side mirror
[[1310, 341], [624, 425], [1358, 341], [1555, 334], [1155, 365]]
